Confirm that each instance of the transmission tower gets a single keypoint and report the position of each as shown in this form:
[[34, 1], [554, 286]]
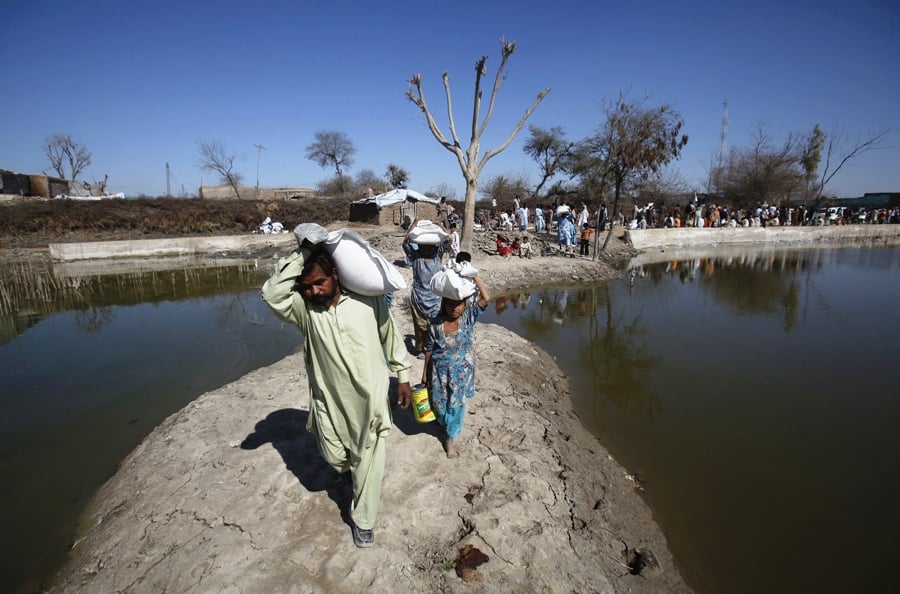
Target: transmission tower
[[723, 133]]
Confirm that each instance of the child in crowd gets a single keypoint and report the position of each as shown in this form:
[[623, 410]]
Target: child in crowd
[[586, 239], [516, 247], [525, 248], [503, 248], [449, 370], [453, 247]]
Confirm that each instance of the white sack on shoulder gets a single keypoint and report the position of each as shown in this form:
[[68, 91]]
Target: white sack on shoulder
[[447, 283], [361, 268], [314, 232], [464, 269], [427, 233]]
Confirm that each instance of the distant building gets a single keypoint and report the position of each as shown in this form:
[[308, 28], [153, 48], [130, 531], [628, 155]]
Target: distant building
[[394, 207], [251, 193], [42, 186], [871, 200]]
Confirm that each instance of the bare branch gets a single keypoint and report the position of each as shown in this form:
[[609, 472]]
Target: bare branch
[[214, 158], [419, 99], [468, 160], [508, 49], [512, 135], [480, 71], [61, 150], [870, 144], [446, 79]]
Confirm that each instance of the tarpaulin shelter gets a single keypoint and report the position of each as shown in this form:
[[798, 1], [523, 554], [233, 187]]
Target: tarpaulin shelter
[[394, 207]]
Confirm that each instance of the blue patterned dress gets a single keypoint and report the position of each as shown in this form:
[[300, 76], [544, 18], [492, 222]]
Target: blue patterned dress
[[451, 372]]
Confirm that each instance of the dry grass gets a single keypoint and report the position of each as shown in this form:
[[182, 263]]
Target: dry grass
[[35, 223]]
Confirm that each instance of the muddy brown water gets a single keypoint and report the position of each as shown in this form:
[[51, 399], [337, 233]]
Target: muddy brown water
[[752, 398]]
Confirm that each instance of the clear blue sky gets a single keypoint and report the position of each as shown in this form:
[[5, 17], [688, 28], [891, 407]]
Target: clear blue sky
[[140, 83]]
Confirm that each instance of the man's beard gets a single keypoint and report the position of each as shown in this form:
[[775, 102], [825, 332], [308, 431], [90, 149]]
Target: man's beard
[[322, 300]]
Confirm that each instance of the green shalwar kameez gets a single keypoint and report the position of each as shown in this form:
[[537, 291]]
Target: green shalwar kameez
[[351, 349]]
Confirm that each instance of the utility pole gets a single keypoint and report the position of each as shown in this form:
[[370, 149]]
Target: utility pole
[[716, 168], [168, 182], [259, 149], [723, 133]]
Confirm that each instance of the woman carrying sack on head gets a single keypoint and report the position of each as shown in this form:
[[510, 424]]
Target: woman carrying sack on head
[[449, 368]]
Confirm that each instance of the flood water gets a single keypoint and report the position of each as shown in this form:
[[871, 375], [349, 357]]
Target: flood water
[[756, 400], [89, 365], [753, 396]]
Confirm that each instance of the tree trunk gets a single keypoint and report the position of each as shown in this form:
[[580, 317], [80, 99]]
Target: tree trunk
[[468, 229], [612, 218]]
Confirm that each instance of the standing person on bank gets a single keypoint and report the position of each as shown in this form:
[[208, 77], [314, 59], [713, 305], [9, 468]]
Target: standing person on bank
[[449, 370], [425, 260], [585, 246], [351, 348]]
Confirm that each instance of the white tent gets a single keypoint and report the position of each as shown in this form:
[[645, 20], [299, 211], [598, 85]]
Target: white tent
[[397, 196]]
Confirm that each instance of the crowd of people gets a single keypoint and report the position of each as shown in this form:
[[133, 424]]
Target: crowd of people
[[569, 225], [698, 214], [573, 225]]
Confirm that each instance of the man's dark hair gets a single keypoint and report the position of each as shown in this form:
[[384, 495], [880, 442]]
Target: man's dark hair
[[463, 257], [321, 258]]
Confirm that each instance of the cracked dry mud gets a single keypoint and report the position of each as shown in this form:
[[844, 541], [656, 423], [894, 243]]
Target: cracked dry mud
[[231, 495]]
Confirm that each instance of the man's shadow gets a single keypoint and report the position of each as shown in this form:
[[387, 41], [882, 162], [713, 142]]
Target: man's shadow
[[286, 430]]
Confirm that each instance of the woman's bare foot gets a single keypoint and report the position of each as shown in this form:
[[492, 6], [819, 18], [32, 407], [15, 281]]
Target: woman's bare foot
[[451, 448]]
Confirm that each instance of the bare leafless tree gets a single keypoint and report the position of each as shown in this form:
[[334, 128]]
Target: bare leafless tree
[[444, 189], [764, 172], [505, 188], [836, 156], [66, 155], [367, 182], [469, 162], [214, 158]]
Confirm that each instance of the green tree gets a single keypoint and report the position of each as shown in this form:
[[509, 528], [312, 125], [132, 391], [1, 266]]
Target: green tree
[[470, 163], [551, 150], [397, 177], [634, 142], [812, 155], [332, 149]]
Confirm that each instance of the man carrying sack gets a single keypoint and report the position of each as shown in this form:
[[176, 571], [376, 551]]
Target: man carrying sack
[[351, 348]]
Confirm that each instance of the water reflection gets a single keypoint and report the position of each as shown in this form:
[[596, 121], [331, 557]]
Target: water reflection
[[751, 283], [29, 291], [752, 394], [90, 363]]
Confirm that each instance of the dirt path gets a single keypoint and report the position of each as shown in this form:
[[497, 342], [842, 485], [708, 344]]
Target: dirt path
[[230, 494]]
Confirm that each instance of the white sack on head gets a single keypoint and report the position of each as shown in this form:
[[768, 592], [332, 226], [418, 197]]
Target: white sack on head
[[361, 268], [315, 233], [427, 233], [447, 283], [466, 270]]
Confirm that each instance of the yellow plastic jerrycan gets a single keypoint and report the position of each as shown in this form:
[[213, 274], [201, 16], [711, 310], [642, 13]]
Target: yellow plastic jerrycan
[[420, 405]]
